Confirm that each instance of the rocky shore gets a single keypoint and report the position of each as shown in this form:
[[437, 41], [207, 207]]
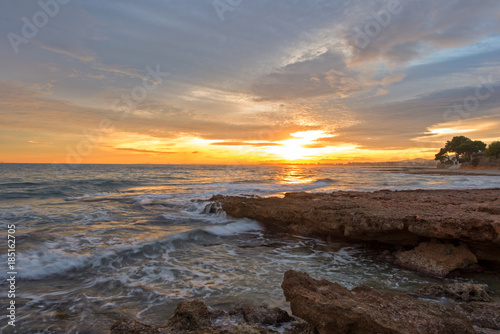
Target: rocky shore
[[320, 306], [434, 232]]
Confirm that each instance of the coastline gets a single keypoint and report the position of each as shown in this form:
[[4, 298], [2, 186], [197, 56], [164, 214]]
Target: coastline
[[407, 217], [435, 171], [436, 232]]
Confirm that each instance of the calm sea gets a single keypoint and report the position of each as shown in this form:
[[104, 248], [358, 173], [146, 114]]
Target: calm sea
[[98, 242]]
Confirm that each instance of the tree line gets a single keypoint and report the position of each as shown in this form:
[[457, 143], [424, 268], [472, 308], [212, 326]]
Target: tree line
[[463, 148]]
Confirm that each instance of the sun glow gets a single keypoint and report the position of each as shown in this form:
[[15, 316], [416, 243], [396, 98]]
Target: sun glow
[[295, 149]]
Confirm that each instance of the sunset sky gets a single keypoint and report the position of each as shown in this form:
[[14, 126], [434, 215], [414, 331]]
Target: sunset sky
[[245, 81]]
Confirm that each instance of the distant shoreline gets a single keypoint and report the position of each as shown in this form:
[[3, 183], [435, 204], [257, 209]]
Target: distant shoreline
[[436, 171]]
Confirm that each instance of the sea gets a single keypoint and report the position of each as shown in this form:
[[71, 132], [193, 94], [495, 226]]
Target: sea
[[94, 243]]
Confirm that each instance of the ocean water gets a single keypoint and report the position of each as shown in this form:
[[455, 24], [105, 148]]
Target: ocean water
[[98, 242]]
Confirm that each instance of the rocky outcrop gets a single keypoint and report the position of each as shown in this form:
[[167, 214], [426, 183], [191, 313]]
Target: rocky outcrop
[[470, 217], [189, 316], [481, 314], [195, 317], [436, 259], [466, 292], [333, 309], [262, 315], [127, 326]]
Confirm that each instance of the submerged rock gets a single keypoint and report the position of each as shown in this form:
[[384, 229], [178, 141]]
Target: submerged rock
[[246, 328], [466, 292], [126, 326], [333, 309], [262, 315], [189, 316], [436, 259], [194, 317], [396, 217]]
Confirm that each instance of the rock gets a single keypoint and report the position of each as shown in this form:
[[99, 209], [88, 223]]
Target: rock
[[484, 330], [190, 316], [334, 309], [301, 327], [436, 259], [262, 315], [245, 328], [126, 326], [481, 314], [397, 217], [459, 291]]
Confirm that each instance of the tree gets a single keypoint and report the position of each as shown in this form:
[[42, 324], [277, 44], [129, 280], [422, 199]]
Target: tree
[[470, 146], [461, 146], [493, 150]]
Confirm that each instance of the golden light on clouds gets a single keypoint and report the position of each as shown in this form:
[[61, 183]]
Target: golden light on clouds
[[297, 148]]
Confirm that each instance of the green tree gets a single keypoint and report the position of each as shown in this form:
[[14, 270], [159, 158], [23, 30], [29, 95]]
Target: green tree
[[493, 150], [470, 146], [462, 146]]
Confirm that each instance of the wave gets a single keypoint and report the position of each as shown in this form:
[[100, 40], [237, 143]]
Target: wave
[[327, 181], [47, 261], [239, 227], [87, 196]]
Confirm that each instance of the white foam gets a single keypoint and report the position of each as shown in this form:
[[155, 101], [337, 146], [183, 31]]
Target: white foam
[[35, 265], [87, 196], [239, 227]]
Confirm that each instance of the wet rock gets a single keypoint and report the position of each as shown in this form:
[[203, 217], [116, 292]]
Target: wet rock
[[246, 328], [190, 316], [301, 327], [126, 326], [436, 259], [332, 309], [262, 314], [396, 217], [485, 330], [459, 291], [481, 314]]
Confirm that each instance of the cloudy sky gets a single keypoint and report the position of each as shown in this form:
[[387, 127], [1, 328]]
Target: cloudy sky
[[232, 81]]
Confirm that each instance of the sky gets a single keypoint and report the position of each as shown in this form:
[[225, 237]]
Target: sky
[[245, 81]]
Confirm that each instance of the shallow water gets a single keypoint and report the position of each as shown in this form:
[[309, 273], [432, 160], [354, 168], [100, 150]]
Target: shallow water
[[97, 242]]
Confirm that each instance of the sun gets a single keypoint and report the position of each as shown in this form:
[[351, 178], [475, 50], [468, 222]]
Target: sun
[[296, 148]]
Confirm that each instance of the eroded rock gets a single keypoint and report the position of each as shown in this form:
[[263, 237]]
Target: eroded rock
[[262, 315], [333, 309], [396, 217], [466, 292], [190, 316], [436, 259], [481, 314], [126, 326]]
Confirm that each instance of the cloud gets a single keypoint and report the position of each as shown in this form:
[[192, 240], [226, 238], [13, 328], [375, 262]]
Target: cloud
[[396, 125], [324, 75], [242, 143], [142, 151], [416, 28]]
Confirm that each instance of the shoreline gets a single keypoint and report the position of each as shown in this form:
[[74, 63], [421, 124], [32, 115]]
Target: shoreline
[[408, 218], [436, 171]]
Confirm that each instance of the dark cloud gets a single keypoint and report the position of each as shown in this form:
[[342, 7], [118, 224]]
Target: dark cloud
[[323, 75], [417, 28]]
